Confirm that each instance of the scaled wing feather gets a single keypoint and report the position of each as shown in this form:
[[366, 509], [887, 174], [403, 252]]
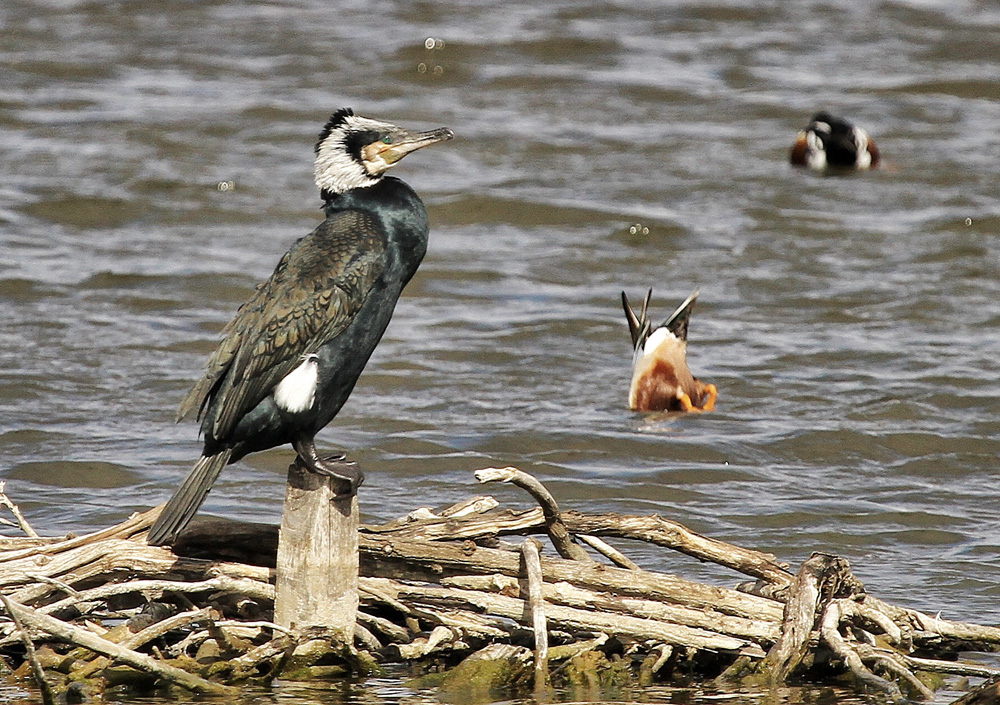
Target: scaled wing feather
[[312, 297]]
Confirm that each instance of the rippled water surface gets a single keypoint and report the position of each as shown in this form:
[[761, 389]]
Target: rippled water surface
[[157, 160]]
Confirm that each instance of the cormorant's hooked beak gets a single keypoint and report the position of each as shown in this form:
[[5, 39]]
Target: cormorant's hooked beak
[[402, 143]]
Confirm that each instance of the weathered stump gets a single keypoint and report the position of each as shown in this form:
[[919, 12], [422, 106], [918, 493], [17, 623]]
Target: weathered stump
[[316, 577]]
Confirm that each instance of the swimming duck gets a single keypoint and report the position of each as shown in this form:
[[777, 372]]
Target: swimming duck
[[830, 142]]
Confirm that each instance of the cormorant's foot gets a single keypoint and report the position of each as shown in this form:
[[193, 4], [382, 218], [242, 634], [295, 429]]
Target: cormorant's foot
[[338, 467], [347, 473]]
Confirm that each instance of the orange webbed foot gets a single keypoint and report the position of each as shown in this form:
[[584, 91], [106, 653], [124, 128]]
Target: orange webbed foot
[[685, 402], [713, 394]]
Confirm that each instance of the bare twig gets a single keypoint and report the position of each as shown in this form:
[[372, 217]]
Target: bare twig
[[251, 588], [89, 640], [830, 633], [48, 697], [536, 601], [891, 663], [154, 631], [810, 589], [609, 551], [560, 537], [21, 521]]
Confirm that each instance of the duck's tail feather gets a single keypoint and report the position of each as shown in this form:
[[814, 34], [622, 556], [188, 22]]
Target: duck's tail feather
[[189, 496], [637, 327], [678, 321]]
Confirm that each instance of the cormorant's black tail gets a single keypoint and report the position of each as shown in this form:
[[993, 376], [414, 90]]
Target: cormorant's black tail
[[188, 497]]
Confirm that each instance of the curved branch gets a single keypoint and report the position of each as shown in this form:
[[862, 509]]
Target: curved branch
[[558, 533]]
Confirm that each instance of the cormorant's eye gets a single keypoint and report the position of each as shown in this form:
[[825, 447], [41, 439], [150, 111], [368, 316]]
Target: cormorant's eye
[[387, 139]]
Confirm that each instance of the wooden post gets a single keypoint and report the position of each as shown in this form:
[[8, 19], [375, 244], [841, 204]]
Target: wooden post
[[316, 580]]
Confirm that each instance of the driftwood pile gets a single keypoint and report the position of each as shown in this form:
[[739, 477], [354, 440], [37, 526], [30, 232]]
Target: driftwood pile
[[449, 593]]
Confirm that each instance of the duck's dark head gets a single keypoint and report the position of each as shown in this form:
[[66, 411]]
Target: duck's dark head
[[354, 151], [830, 142]]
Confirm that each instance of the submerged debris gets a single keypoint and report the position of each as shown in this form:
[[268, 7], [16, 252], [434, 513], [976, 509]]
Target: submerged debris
[[474, 614]]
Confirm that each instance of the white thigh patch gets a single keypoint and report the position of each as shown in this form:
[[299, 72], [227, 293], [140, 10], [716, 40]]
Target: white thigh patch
[[297, 391]]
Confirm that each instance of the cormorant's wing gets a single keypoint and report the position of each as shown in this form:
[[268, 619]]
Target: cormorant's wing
[[315, 292]]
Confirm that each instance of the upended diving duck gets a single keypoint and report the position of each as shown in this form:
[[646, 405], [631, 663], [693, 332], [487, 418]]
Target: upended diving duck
[[829, 142], [661, 378]]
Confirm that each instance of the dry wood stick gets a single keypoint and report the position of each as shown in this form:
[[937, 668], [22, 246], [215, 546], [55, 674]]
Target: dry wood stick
[[536, 601], [829, 631], [48, 697], [650, 529], [393, 631], [135, 524], [240, 586], [423, 560], [472, 623], [610, 552], [469, 507], [144, 636], [560, 537], [762, 630], [934, 628], [89, 640], [574, 619], [670, 534], [245, 666], [21, 521], [957, 668], [891, 662], [800, 617]]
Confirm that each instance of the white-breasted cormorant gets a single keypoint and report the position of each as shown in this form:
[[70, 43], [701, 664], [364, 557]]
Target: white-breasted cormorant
[[294, 351], [829, 142], [661, 379]]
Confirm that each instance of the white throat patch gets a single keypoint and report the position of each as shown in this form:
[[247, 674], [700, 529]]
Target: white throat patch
[[336, 169]]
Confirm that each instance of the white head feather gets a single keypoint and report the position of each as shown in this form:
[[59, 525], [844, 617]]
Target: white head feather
[[337, 169]]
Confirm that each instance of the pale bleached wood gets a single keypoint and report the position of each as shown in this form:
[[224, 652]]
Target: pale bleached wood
[[558, 534], [240, 586], [144, 636], [764, 629], [536, 603], [22, 523], [131, 527], [316, 577], [958, 668], [649, 529], [572, 619], [88, 640], [928, 630], [800, 616], [670, 534], [608, 551], [829, 629], [892, 663], [37, 672], [424, 559]]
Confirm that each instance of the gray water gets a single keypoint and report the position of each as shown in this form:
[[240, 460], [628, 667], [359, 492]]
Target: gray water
[[157, 161]]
